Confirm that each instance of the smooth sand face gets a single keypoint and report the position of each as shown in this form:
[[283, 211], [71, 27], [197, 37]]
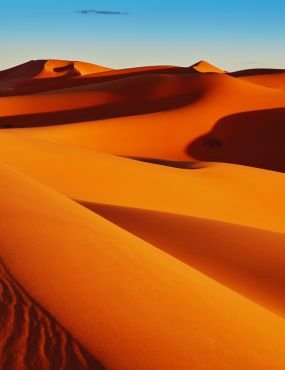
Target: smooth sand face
[[142, 218]]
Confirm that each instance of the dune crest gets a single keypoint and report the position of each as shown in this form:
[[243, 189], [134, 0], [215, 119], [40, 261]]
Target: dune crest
[[205, 67]]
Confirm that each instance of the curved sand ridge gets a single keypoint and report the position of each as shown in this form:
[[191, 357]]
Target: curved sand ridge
[[162, 261]]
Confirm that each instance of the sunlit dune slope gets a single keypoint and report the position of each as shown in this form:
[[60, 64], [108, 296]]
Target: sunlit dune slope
[[247, 260], [129, 304], [220, 192]]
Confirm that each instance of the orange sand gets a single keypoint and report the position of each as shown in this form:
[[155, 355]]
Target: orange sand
[[142, 218], [273, 78]]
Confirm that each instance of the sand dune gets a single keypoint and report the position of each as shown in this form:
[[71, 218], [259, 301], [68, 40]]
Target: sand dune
[[142, 217], [35, 85], [100, 266], [49, 68], [187, 118]]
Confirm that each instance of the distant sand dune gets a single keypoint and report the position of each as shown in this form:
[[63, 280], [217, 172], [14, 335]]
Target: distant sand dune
[[49, 68]]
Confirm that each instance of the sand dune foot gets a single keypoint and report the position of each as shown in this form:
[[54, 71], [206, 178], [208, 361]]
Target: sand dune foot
[[30, 339]]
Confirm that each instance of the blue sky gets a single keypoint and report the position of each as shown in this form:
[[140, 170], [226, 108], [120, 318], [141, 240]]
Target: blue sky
[[231, 34]]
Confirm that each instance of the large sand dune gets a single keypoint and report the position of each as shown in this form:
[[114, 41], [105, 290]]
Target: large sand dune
[[142, 218], [191, 116]]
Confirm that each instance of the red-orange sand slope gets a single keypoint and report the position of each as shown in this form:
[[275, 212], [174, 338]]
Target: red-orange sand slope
[[142, 221]]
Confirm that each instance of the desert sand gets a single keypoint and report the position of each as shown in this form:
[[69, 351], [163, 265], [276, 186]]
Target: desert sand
[[142, 220]]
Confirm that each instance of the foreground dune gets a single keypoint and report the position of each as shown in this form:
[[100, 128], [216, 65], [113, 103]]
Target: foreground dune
[[142, 218], [149, 187], [176, 317]]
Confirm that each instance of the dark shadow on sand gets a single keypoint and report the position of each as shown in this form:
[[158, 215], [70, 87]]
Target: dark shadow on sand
[[104, 111], [185, 165], [256, 72], [255, 138]]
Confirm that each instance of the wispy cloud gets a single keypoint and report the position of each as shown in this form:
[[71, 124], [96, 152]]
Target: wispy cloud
[[100, 12]]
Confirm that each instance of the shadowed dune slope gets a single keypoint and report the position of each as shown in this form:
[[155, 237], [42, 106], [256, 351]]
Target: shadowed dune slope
[[30, 338], [217, 191], [250, 261], [253, 138], [176, 317]]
